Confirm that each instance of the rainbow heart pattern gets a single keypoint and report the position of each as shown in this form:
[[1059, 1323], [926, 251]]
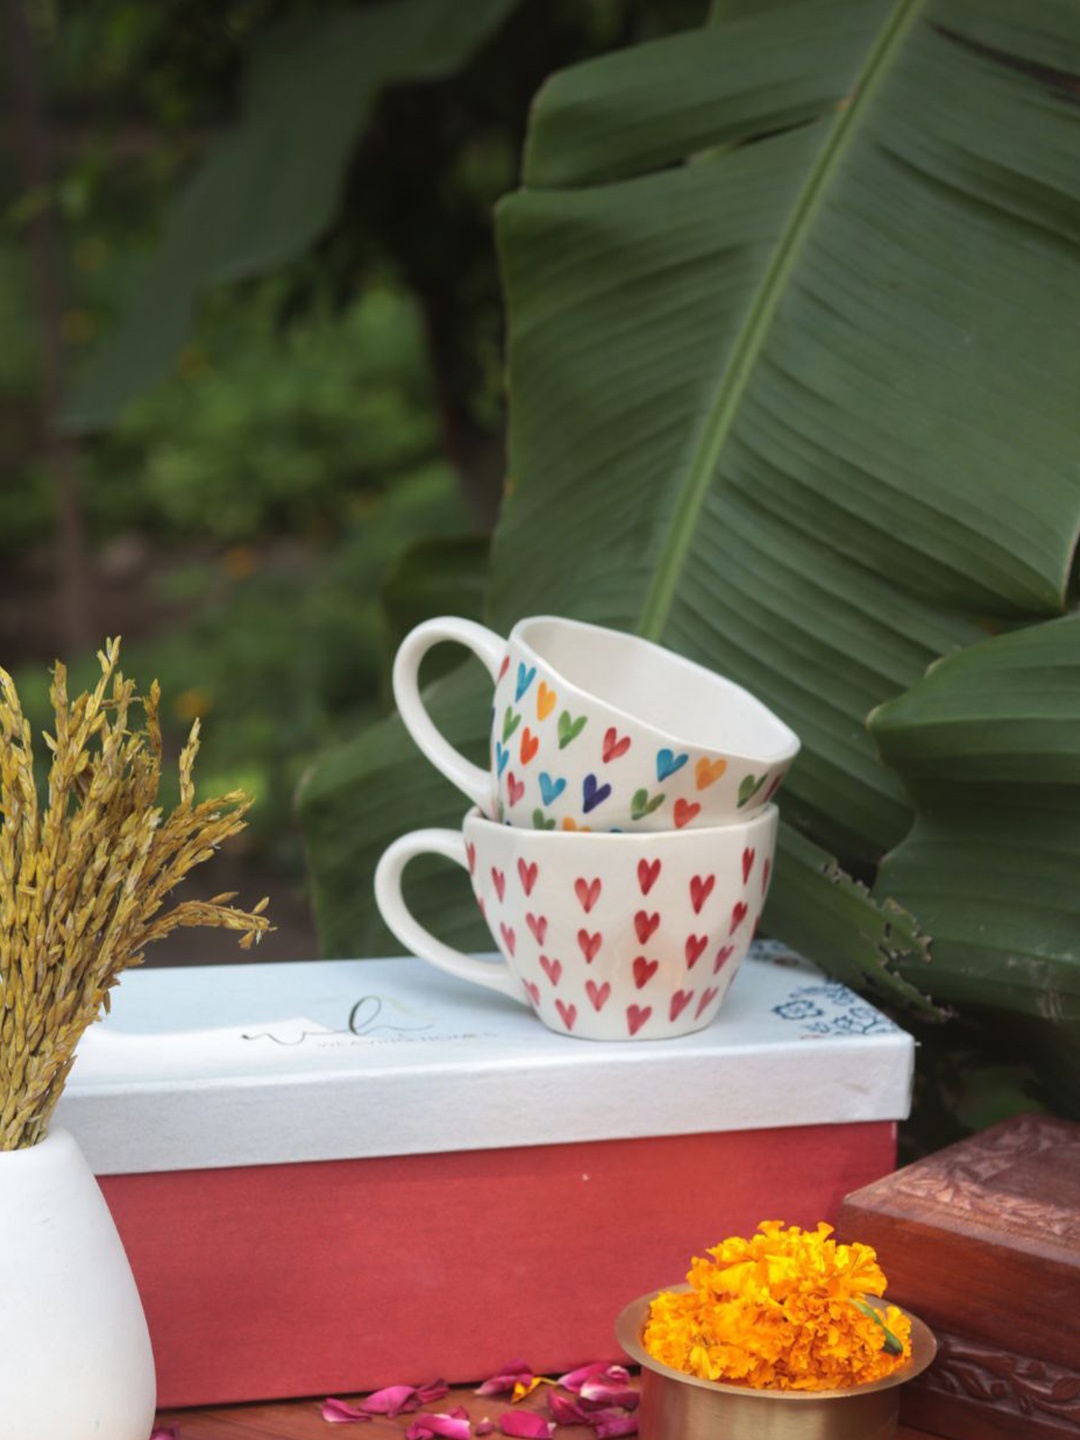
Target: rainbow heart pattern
[[644, 949], [555, 766]]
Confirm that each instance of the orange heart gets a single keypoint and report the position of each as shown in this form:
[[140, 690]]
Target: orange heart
[[569, 824], [545, 701], [529, 745], [707, 771]]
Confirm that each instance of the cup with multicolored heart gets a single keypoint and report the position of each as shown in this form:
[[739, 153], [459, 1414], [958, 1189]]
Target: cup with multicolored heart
[[605, 937], [595, 729]]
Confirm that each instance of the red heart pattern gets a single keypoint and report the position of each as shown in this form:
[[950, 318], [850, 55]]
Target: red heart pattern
[[701, 887], [598, 994], [636, 1016], [645, 924], [707, 997], [675, 1006], [614, 746], [552, 969], [590, 945], [644, 970], [685, 811], [538, 925], [514, 788], [587, 892], [647, 873], [679, 1002], [695, 944]]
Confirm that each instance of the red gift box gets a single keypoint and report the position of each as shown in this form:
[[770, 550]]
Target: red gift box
[[338, 1175]]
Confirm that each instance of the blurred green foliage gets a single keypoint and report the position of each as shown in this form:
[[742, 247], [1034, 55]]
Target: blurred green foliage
[[323, 466]]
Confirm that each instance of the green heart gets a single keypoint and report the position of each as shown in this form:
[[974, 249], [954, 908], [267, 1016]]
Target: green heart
[[539, 823], [510, 723], [749, 787], [641, 805], [570, 729]]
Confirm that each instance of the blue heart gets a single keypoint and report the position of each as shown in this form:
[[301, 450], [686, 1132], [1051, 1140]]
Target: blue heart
[[594, 794], [551, 789], [502, 757], [667, 762], [525, 679]]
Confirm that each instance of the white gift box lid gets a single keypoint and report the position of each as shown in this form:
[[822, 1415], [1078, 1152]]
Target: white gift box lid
[[258, 1064]]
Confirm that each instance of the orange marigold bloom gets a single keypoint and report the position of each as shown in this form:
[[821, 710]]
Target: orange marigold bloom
[[783, 1310]]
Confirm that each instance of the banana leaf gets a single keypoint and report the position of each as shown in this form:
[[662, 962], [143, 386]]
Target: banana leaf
[[793, 391]]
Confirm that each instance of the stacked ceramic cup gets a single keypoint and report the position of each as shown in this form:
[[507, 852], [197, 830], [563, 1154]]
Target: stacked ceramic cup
[[621, 840]]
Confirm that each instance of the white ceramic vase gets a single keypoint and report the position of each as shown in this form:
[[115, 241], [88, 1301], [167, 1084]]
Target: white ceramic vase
[[75, 1356]]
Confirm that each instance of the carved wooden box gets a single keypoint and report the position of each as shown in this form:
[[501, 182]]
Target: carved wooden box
[[982, 1240]]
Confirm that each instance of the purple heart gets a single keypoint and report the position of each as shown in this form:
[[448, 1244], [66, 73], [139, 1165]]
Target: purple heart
[[594, 794]]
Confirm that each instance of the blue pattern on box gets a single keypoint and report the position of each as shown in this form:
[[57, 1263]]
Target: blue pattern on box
[[830, 1008]]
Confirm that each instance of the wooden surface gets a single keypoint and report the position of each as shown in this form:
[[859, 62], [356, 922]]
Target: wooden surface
[[301, 1420]]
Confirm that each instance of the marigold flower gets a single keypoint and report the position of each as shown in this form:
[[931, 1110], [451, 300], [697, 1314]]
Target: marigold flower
[[782, 1310]]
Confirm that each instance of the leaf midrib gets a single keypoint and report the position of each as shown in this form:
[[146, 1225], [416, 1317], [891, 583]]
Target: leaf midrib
[[752, 335]]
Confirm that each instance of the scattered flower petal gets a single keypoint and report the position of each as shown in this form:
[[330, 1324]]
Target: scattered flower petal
[[514, 1372], [524, 1387], [527, 1424], [614, 1424], [391, 1401], [574, 1379], [484, 1427], [565, 1411], [334, 1412], [601, 1390], [455, 1426], [172, 1433]]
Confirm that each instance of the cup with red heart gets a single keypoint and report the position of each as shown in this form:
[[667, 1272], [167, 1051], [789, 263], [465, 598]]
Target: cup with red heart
[[604, 936]]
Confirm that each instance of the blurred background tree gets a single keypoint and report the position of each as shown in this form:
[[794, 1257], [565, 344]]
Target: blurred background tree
[[271, 437]]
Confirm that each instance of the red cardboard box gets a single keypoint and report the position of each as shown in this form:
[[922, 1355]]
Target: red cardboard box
[[338, 1175]]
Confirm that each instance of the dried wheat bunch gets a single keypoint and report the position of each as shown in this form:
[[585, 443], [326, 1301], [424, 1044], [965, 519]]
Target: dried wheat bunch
[[84, 881]]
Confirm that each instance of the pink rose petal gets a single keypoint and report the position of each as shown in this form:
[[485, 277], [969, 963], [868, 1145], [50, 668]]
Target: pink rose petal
[[172, 1433], [514, 1372], [455, 1426], [527, 1424], [484, 1427], [565, 1411], [391, 1401], [574, 1379], [334, 1412], [615, 1424], [600, 1390]]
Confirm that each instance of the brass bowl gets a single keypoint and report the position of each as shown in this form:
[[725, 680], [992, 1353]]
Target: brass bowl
[[675, 1406]]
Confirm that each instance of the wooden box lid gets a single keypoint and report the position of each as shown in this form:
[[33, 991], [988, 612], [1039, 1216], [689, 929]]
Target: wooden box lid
[[982, 1239]]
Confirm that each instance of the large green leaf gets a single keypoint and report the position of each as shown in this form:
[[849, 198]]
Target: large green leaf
[[270, 187], [989, 746], [793, 391], [790, 386]]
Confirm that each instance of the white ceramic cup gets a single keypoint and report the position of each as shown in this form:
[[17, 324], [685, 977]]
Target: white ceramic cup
[[606, 937], [595, 729]]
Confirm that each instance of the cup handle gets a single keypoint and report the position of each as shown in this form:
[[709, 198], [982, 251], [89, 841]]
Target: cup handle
[[496, 975], [471, 780]]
